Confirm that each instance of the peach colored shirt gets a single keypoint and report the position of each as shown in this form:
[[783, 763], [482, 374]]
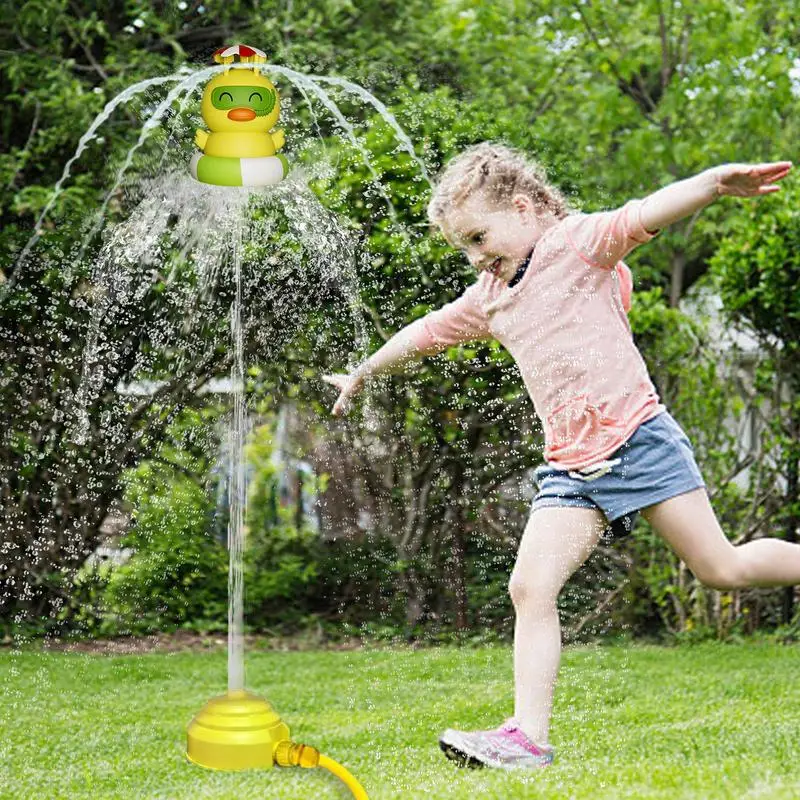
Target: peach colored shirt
[[566, 326]]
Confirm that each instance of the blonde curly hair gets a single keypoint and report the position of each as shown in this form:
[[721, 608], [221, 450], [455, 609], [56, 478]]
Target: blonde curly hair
[[498, 172]]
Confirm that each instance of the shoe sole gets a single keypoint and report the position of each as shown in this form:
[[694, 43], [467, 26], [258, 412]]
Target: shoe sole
[[460, 757], [464, 759]]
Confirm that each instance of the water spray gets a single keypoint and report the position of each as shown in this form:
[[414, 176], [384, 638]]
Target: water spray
[[238, 730]]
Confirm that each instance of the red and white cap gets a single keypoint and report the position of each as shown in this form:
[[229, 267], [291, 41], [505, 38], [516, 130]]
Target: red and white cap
[[241, 53]]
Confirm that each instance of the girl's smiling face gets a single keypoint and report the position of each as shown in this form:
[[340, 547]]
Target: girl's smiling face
[[496, 238]]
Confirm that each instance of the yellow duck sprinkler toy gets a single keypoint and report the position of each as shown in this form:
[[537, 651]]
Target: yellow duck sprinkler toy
[[240, 730], [241, 107]]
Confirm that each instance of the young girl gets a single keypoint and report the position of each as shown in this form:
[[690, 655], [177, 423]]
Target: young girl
[[553, 290]]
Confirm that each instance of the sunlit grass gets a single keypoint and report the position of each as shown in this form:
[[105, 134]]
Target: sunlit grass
[[710, 721]]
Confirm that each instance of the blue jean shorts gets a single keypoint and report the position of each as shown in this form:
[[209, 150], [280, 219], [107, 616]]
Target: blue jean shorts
[[655, 463]]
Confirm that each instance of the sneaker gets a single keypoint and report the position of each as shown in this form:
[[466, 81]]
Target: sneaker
[[507, 747]]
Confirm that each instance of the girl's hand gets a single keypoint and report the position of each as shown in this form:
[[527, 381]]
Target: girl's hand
[[750, 180], [348, 386]]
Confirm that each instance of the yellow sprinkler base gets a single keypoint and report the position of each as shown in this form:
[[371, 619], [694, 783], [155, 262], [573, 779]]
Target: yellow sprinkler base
[[240, 730]]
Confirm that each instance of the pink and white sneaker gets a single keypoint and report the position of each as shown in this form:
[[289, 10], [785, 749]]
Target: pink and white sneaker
[[507, 747]]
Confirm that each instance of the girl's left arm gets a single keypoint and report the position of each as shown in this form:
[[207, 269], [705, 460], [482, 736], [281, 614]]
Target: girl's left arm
[[680, 199]]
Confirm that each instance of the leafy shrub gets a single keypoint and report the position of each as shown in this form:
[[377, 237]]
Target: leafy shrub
[[178, 573]]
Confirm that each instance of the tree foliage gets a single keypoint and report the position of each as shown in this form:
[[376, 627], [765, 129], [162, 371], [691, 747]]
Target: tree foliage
[[615, 100]]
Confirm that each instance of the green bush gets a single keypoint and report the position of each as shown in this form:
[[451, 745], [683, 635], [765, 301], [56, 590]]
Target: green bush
[[358, 584], [281, 569], [178, 573]]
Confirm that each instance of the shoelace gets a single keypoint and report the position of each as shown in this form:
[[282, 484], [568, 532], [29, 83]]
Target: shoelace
[[511, 725], [594, 471]]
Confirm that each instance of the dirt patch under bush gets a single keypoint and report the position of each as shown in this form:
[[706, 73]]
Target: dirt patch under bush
[[182, 641]]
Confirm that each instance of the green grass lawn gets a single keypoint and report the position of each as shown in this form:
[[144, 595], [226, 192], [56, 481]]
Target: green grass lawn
[[709, 721]]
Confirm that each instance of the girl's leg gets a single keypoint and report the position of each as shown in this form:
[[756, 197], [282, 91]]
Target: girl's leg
[[557, 540], [688, 523]]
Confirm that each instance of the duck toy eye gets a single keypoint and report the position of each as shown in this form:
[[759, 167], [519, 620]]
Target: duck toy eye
[[240, 107]]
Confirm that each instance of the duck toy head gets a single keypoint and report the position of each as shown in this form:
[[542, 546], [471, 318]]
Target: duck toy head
[[240, 101], [241, 107]]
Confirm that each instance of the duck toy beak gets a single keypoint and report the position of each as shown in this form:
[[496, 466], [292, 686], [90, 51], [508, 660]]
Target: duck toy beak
[[241, 114]]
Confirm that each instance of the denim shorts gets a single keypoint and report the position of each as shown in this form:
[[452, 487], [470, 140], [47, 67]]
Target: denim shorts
[[655, 463]]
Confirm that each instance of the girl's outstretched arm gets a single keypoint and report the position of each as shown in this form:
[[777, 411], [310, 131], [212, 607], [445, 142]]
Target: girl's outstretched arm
[[680, 199], [458, 322], [397, 353]]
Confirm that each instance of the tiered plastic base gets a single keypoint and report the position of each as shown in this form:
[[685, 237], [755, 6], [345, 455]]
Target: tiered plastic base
[[238, 730]]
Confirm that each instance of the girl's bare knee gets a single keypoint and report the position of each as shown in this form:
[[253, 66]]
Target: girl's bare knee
[[729, 573], [527, 592], [555, 543]]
